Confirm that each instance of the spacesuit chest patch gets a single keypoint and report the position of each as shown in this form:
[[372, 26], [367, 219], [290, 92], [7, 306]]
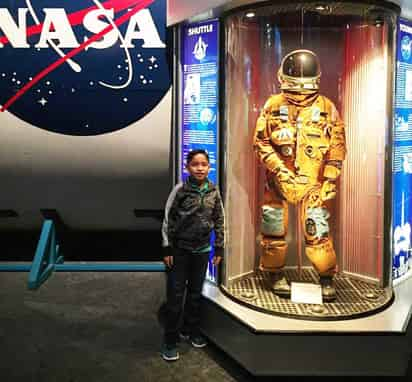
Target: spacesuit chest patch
[[272, 221], [315, 114], [284, 113]]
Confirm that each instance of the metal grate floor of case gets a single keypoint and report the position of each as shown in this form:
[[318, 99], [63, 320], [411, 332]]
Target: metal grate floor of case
[[354, 297]]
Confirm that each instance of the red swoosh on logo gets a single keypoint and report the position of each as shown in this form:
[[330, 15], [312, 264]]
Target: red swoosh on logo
[[138, 6]]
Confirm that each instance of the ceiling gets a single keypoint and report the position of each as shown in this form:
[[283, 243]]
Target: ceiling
[[180, 10]]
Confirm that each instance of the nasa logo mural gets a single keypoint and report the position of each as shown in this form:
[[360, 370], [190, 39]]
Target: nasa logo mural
[[83, 67]]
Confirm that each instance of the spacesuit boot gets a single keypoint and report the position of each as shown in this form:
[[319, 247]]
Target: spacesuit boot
[[273, 260], [280, 285], [328, 288], [323, 258]]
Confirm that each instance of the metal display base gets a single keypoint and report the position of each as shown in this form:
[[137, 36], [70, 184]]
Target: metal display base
[[272, 345], [354, 298]]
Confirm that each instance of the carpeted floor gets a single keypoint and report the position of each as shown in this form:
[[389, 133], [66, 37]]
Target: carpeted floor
[[86, 327], [89, 326]]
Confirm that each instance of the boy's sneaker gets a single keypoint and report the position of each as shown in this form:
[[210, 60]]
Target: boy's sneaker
[[198, 341], [184, 335], [169, 352]]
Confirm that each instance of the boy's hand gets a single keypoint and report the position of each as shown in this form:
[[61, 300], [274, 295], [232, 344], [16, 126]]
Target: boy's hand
[[216, 260], [168, 260]]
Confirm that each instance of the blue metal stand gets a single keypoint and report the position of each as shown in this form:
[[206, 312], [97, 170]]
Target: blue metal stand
[[46, 256]]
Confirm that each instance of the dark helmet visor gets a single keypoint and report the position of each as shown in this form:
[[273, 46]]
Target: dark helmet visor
[[301, 64]]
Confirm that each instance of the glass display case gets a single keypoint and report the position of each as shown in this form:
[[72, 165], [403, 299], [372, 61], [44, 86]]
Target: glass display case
[[293, 132]]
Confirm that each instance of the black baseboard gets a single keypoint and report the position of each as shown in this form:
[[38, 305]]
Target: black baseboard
[[86, 245]]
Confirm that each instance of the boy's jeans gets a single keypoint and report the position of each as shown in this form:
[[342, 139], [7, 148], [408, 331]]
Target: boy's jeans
[[188, 271]]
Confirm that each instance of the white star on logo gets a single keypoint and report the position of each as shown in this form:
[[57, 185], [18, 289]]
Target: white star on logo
[[42, 101], [152, 59]]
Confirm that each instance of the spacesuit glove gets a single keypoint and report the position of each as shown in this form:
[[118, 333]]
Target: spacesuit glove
[[285, 175], [332, 170], [328, 190]]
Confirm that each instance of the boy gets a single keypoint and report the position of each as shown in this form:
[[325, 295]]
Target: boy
[[194, 208]]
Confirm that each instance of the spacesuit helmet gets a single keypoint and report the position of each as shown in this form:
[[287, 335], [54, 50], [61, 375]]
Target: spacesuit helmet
[[299, 71]]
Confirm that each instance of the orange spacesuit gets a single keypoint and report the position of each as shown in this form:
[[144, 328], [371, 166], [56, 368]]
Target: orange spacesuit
[[300, 139]]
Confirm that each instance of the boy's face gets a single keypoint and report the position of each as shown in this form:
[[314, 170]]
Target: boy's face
[[198, 167]]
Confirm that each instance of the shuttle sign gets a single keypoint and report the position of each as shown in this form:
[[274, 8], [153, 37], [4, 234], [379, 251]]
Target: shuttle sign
[[200, 91], [402, 155], [83, 67]]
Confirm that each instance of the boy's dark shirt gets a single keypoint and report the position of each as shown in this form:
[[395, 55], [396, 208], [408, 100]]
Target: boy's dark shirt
[[193, 214]]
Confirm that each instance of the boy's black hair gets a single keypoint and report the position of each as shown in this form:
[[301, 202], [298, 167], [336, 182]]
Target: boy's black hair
[[192, 153]]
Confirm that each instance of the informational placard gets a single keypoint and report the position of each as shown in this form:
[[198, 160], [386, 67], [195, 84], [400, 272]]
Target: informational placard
[[306, 293], [199, 116], [402, 153], [200, 93]]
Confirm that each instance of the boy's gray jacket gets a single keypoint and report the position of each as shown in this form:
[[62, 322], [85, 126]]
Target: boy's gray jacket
[[190, 217]]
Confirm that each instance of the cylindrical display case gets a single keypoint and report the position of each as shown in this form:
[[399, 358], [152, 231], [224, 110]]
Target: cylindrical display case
[[306, 153]]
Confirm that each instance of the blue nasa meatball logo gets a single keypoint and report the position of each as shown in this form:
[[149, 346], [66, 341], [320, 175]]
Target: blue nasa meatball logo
[[82, 67], [406, 47]]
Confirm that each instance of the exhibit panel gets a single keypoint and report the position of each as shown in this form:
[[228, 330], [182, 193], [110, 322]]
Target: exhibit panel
[[402, 153]]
